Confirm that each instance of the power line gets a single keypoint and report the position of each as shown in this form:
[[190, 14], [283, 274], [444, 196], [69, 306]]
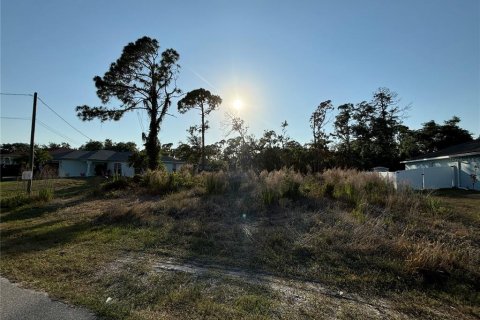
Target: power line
[[43, 124], [15, 118], [51, 109], [16, 94]]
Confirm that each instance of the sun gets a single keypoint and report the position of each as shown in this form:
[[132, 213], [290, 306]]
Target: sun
[[237, 104]]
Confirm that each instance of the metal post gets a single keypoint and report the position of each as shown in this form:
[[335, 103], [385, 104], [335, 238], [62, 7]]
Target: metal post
[[32, 141]]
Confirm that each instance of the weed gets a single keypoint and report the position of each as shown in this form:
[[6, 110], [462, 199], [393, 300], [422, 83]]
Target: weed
[[215, 182], [279, 184], [235, 181], [45, 195]]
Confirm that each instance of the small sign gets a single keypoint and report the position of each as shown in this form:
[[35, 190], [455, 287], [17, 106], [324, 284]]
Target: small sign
[[27, 175]]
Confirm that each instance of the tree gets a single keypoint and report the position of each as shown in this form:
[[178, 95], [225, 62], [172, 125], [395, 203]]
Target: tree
[[343, 131], [284, 138], [125, 146], [386, 120], [408, 145], [433, 137], [141, 78], [54, 146], [19, 148], [318, 121], [205, 102], [92, 145]]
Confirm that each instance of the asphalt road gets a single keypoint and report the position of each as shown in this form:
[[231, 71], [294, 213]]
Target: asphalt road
[[18, 303]]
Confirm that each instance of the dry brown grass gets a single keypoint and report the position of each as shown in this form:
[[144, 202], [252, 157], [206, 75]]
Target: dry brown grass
[[347, 230]]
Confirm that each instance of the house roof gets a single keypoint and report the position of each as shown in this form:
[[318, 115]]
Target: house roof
[[471, 148], [102, 155]]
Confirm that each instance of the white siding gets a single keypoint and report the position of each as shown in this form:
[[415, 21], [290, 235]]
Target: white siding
[[72, 168], [168, 166], [127, 170], [442, 171], [172, 166], [412, 178]]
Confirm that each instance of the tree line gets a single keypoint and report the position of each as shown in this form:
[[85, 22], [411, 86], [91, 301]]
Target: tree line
[[365, 134]]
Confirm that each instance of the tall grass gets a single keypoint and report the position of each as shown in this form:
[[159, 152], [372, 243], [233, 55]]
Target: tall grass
[[279, 184], [163, 182]]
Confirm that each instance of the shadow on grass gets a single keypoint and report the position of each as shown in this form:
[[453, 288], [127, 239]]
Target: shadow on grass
[[38, 210], [28, 212], [9, 232], [37, 241], [460, 193], [90, 184]]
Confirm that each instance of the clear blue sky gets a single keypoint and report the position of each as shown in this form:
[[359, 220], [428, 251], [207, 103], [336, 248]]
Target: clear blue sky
[[281, 58]]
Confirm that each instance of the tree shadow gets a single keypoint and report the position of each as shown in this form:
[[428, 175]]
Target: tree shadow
[[31, 242], [37, 211], [23, 229]]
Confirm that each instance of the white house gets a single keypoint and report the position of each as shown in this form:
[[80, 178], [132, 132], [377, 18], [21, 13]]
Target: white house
[[79, 163], [454, 167]]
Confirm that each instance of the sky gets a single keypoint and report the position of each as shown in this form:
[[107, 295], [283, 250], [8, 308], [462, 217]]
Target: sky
[[280, 58]]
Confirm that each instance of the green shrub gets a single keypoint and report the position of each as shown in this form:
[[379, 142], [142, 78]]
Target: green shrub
[[15, 201], [46, 195]]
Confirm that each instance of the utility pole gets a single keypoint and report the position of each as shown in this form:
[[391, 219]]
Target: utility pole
[[32, 141]]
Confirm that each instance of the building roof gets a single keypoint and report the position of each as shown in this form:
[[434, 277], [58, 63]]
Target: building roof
[[100, 155], [471, 148]]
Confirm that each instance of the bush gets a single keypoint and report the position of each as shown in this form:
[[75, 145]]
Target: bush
[[15, 201], [45, 195]]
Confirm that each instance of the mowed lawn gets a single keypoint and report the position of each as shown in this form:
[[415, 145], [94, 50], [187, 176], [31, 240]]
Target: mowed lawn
[[92, 243]]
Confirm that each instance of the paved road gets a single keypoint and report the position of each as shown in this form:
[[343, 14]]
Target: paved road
[[17, 303]]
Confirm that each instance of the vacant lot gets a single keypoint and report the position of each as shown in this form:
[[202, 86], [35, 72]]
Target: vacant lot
[[279, 245]]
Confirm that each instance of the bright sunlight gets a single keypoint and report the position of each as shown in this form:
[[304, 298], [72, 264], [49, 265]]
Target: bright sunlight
[[237, 104]]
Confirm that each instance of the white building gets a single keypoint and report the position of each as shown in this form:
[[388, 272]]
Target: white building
[[80, 163], [454, 167]]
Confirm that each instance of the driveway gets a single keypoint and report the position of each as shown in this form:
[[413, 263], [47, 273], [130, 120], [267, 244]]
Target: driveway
[[19, 303]]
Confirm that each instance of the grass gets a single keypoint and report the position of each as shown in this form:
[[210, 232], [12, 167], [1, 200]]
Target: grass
[[346, 230]]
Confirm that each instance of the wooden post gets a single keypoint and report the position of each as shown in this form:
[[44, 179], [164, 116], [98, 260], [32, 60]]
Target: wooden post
[[32, 141]]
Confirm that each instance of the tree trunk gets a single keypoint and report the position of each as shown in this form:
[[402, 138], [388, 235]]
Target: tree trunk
[[203, 140], [152, 146]]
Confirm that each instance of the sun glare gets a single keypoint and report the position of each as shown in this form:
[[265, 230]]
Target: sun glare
[[237, 104]]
